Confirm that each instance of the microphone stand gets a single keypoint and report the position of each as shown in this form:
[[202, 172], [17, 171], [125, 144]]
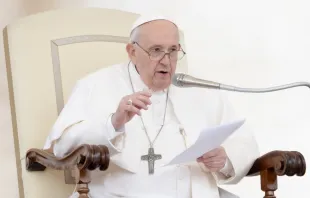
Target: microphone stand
[[272, 164], [263, 90], [183, 80]]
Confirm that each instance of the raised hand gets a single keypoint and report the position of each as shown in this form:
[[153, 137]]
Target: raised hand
[[130, 106]]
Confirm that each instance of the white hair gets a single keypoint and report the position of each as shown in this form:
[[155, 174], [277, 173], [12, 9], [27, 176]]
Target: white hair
[[134, 35]]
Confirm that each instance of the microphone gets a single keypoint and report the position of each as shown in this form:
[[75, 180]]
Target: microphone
[[185, 81]]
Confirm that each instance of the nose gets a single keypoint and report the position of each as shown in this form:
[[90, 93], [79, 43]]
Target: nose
[[165, 60]]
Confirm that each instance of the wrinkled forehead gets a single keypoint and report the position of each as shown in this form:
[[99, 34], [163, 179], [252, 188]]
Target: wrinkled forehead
[[164, 35]]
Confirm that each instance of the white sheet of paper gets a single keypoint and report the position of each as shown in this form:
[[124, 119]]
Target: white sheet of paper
[[209, 139]]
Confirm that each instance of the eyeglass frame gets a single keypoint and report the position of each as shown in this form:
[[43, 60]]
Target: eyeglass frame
[[166, 53]]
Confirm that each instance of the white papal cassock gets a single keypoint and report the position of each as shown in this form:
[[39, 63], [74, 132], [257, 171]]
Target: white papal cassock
[[86, 119]]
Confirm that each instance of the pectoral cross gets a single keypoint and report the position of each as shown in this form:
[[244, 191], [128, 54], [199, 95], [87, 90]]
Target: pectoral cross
[[151, 158]]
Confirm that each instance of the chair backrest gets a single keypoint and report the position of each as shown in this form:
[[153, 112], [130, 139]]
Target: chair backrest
[[46, 54]]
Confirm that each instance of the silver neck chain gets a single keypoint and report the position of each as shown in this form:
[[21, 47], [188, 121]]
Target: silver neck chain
[[148, 137]]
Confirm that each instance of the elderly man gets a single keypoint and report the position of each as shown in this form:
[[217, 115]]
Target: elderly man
[[133, 109]]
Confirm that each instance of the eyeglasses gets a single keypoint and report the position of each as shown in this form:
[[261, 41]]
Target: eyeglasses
[[157, 55]]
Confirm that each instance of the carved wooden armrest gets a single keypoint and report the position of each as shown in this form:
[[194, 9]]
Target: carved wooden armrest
[[277, 163], [83, 159], [90, 157]]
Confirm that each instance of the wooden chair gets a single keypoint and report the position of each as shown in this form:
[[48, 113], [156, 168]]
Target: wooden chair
[[46, 54]]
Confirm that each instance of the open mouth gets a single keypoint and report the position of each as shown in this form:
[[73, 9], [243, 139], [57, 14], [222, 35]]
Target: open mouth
[[163, 72]]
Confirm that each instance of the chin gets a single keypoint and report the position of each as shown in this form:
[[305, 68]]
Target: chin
[[162, 84]]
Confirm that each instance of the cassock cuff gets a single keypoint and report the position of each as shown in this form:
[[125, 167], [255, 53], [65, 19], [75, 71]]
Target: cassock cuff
[[228, 169], [112, 133], [225, 174]]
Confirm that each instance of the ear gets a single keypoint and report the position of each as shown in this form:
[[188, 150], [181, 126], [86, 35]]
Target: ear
[[131, 52]]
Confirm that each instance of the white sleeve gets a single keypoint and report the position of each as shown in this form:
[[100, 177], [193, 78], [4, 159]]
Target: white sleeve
[[228, 169], [226, 173], [85, 132], [241, 148], [76, 125], [111, 130]]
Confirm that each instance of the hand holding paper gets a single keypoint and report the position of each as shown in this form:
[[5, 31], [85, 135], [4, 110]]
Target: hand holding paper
[[214, 160], [209, 139]]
